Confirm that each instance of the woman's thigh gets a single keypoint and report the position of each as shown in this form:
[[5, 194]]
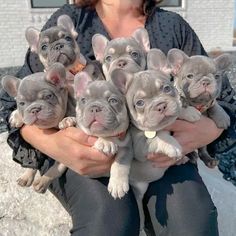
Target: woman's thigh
[[179, 204], [92, 208]]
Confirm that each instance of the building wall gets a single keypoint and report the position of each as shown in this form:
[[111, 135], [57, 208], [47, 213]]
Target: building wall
[[212, 20]]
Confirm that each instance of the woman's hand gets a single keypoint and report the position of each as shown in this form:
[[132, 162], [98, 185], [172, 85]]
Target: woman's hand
[[71, 147], [190, 136]]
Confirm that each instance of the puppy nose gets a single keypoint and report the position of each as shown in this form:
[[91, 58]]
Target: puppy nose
[[35, 110], [161, 107], [95, 109], [59, 46], [122, 63], [206, 82]]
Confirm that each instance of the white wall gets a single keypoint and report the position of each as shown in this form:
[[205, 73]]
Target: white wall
[[211, 19]]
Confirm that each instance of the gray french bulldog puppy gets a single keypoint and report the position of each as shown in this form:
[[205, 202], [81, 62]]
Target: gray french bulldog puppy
[[198, 80], [57, 44], [101, 112], [127, 53], [42, 101], [153, 104]]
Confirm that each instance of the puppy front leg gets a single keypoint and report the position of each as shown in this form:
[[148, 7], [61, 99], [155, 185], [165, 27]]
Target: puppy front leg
[[190, 114], [220, 117], [166, 144], [41, 184], [119, 174]]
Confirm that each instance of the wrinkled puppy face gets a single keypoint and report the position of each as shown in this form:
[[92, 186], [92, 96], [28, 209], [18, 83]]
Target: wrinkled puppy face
[[128, 53], [152, 100], [41, 97], [100, 109], [56, 44], [199, 78]]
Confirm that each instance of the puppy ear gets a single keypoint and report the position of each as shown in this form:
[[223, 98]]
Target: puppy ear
[[56, 75], [32, 36], [156, 60], [99, 43], [141, 36], [81, 81], [176, 59], [121, 79], [10, 84], [223, 61], [66, 23]]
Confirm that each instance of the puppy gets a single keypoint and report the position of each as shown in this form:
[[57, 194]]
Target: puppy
[[128, 53], [153, 104], [198, 80], [101, 112], [42, 101]]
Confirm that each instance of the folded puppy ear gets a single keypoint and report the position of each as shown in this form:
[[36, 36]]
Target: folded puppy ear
[[66, 23], [10, 84], [81, 81], [141, 36], [56, 75], [156, 60], [32, 36], [121, 79], [99, 43], [223, 61], [176, 59]]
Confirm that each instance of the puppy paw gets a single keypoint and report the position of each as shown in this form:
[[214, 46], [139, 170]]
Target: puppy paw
[[212, 163], [67, 122], [27, 178], [15, 119], [118, 187], [107, 147], [24, 181], [173, 152], [41, 185], [222, 123], [190, 114], [142, 233]]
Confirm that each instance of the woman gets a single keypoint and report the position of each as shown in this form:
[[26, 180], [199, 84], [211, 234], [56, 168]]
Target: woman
[[179, 203]]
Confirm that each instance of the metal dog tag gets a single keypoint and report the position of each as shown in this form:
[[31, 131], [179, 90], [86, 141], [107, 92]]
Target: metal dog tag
[[150, 134]]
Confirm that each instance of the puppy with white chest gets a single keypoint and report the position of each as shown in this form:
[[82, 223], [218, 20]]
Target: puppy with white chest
[[198, 80], [153, 104], [42, 101], [101, 112], [127, 53]]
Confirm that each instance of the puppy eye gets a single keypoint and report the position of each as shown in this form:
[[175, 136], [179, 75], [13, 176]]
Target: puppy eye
[[190, 76], [83, 100], [217, 76], [167, 89], [68, 38], [44, 47], [49, 96], [140, 103], [135, 55], [108, 59], [113, 101], [21, 104]]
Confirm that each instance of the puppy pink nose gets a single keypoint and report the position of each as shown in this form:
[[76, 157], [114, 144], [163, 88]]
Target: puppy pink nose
[[161, 107], [95, 109], [122, 63], [206, 83], [35, 110]]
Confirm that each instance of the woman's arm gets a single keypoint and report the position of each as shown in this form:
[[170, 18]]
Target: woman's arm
[[70, 146]]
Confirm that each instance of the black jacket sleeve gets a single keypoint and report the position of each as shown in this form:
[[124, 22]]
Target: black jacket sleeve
[[23, 152]]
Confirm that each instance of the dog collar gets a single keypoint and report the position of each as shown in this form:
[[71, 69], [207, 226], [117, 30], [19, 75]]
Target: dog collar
[[150, 134], [121, 135], [77, 68]]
